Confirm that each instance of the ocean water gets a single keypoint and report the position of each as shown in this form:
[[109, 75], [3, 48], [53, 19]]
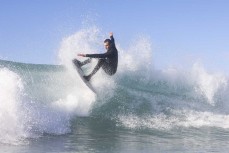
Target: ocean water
[[47, 108]]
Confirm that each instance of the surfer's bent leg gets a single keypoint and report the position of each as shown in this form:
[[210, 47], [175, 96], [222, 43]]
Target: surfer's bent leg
[[100, 63], [75, 61], [109, 69], [86, 61]]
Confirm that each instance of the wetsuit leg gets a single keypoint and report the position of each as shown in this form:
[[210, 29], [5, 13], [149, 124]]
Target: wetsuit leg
[[108, 68], [97, 67], [86, 61], [105, 66], [75, 61]]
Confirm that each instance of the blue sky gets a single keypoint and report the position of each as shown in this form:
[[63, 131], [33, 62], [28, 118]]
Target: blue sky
[[181, 31]]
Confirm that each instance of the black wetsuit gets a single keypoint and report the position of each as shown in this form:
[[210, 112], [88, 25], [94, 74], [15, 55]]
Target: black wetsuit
[[108, 61]]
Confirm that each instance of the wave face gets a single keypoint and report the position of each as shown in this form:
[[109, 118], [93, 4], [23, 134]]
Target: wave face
[[44, 99]]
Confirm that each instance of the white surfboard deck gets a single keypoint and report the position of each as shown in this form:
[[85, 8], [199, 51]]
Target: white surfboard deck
[[81, 74]]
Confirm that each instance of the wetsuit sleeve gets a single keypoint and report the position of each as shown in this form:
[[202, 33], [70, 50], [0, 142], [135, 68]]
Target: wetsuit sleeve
[[105, 55], [112, 40]]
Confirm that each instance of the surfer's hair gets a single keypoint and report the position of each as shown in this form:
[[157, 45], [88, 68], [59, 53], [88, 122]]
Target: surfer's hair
[[107, 40]]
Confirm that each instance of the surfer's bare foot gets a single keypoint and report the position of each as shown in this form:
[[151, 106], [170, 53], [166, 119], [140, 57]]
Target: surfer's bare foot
[[88, 78]]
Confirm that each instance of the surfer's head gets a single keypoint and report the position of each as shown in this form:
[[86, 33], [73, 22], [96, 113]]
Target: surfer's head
[[107, 43]]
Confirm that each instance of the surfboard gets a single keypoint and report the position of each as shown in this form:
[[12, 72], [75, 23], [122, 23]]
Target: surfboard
[[81, 74]]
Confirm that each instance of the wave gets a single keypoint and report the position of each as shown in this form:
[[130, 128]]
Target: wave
[[37, 99]]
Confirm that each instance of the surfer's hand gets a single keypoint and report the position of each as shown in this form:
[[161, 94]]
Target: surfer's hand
[[83, 55], [111, 34]]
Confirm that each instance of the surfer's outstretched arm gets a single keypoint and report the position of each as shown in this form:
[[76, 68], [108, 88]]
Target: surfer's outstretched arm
[[83, 55], [105, 55], [112, 38]]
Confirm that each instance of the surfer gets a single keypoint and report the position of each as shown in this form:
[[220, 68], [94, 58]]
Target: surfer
[[108, 61]]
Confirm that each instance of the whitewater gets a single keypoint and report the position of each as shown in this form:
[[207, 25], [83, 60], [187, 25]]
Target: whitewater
[[48, 108]]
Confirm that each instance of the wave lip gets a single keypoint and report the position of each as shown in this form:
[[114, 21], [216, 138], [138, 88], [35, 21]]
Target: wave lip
[[39, 99]]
